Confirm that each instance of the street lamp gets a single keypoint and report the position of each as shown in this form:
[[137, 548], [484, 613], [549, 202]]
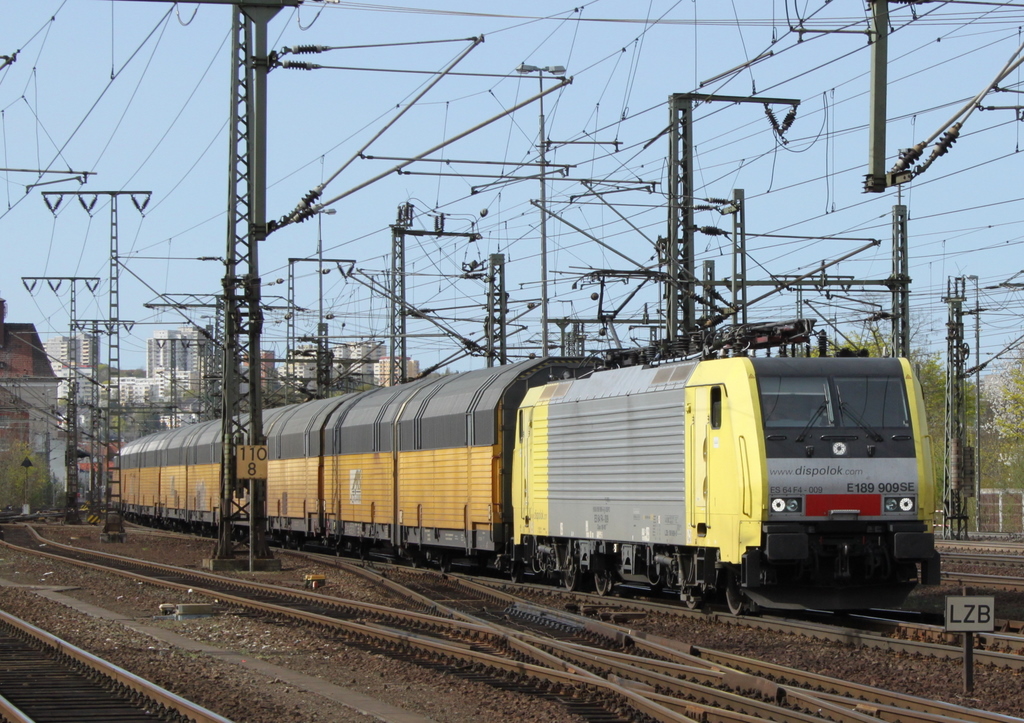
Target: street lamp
[[555, 70]]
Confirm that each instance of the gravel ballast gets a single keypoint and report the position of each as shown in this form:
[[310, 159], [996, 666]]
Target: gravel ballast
[[243, 694]]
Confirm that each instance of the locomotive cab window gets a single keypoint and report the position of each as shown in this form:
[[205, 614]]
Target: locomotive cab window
[[716, 407], [877, 401], [796, 402]]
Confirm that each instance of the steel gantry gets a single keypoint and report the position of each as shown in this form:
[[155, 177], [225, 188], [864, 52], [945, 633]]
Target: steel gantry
[[497, 312], [678, 253], [399, 306], [113, 525], [959, 467], [243, 496], [92, 283]]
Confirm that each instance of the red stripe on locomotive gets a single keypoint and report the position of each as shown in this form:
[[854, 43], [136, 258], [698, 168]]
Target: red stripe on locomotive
[[822, 505]]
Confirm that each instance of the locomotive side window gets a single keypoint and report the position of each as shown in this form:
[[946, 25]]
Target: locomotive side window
[[878, 401], [796, 402], [716, 407]]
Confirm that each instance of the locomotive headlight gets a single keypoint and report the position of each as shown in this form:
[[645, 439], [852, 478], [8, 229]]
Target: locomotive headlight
[[899, 504], [786, 504]]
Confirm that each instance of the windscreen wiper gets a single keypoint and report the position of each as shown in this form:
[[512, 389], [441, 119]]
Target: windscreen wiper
[[875, 436], [803, 432]]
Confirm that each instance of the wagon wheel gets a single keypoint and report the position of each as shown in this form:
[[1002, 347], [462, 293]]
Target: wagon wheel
[[571, 577], [445, 563], [603, 581], [516, 572]]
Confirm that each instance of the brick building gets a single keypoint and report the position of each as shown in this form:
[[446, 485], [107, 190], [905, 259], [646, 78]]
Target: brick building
[[28, 389]]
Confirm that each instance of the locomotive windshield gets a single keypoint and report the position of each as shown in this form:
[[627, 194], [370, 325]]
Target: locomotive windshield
[[878, 401], [796, 402], [871, 401]]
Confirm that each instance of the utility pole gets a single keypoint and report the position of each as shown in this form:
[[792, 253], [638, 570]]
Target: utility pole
[[977, 394], [899, 284], [876, 180], [113, 526], [324, 357], [98, 437], [243, 492], [557, 71], [497, 312], [399, 347], [399, 304], [71, 516], [738, 209], [959, 467], [678, 254]]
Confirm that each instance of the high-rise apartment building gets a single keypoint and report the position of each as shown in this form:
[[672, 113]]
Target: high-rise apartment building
[[81, 349], [385, 365], [176, 353], [355, 363]]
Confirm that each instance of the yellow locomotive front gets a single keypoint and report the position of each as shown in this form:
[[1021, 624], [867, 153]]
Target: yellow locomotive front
[[849, 484]]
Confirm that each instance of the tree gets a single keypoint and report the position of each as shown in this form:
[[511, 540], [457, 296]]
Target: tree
[[1004, 397], [24, 477]]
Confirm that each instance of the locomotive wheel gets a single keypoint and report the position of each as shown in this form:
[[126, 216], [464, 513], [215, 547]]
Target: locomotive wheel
[[603, 582], [571, 577], [738, 604], [516, 573]]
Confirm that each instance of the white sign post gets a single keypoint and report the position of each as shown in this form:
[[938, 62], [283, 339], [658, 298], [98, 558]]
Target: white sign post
[[970, 614]]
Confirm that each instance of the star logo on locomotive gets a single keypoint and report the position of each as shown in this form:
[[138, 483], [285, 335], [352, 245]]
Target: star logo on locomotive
[[839, 449]]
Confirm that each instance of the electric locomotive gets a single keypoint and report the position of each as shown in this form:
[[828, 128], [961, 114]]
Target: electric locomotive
[[780, 482]]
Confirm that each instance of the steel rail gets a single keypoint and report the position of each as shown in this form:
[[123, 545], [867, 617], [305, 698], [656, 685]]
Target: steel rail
[[992, 582], [140, 686], [555, 669], [703, 696], [1009, 547], [561, 673], [982, 558], [672, 658]]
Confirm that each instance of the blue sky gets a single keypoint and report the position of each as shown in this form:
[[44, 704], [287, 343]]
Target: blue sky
[[137, 94]]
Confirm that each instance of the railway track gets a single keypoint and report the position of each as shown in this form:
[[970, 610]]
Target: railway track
[[983, 558], [901, 631], [600, 671], [44, 679], [660, 657], [1007, 547], [891, 630]]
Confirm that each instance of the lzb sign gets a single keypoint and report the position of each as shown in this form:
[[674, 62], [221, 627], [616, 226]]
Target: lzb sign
[[251, 461], [970, 614]]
